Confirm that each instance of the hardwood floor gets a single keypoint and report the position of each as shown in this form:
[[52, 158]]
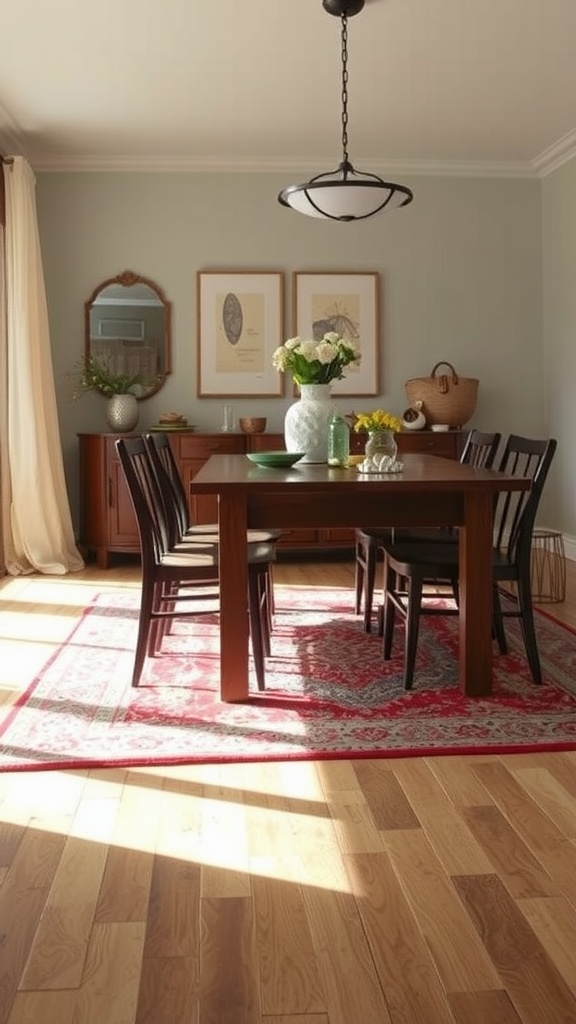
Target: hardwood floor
[[410, 891]]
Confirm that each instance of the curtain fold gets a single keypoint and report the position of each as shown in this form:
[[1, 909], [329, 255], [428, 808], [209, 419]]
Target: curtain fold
[[37, 528]]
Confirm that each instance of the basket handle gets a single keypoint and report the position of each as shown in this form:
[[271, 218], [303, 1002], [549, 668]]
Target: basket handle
[[442, 380]]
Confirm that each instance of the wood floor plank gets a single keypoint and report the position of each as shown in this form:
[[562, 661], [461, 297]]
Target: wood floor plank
[[562, 767], [58, 953], [483, 1007], [460, 958], [335, 776], [385, 797], [451, 839], [297, 1018], [229, 978], [125, 890], [351, 988], [289, 982], [521, 872], [168, 991], [44, 1007], [47, 797], [112, 974], [11, 836], [173, 915], [455, 775], [535, 986], [353, 822], [225, 866], [410, 981], [551, 796], [545, 840], [22, 899], [295, 841], [553, 920]]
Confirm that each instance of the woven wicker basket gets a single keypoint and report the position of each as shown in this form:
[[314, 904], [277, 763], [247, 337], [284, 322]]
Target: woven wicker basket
[[447, 397]]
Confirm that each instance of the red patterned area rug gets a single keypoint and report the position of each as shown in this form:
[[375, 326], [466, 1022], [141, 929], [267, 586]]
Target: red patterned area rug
[[329, 694]]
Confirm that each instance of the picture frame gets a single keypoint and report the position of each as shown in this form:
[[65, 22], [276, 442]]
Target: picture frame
[[240, 316], [349, 304]]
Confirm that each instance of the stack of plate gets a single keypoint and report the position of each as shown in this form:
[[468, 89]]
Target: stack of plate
[[172, 422]]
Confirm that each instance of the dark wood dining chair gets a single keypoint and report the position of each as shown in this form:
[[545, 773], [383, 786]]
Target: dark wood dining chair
[[410, 565], [178, 510], [479, 450], [178, 579]]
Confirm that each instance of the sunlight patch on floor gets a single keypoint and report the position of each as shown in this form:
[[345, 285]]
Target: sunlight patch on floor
[[197, 824]]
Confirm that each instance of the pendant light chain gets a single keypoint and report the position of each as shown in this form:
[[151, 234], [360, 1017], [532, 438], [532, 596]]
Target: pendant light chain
[[345, 88], [345, 193]]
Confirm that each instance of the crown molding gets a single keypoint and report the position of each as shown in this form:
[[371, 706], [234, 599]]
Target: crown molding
[[14, 143], [302, 166], [552, 158]]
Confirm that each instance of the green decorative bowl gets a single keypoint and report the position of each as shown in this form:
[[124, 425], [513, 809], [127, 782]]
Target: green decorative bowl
[[270, 459]]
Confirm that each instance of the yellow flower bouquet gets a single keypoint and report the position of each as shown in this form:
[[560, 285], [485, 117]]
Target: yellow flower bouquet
[[378, 419]]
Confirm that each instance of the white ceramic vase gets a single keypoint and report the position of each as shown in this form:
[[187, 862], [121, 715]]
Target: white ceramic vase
[[122, 412], [306, 422]]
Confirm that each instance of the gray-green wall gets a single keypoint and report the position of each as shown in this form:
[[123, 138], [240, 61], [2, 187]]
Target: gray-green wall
[[461, 279], [559, 304]]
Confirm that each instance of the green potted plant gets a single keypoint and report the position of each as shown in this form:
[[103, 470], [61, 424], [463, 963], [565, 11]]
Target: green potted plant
[[121, 389]]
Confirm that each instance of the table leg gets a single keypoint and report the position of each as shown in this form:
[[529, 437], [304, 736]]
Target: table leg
[[234, 622], [475, 665]]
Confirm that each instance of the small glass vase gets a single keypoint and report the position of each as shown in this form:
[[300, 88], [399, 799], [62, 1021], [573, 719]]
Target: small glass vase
[[380, 444]]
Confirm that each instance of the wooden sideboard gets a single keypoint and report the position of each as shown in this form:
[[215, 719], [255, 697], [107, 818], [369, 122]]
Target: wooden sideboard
[[107, 522]]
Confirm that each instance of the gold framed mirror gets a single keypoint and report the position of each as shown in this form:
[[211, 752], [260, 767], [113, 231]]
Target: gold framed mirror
[[128, 329]]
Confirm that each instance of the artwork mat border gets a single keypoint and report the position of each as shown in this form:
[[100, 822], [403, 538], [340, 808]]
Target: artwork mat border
[[208, 284], [367, 285]]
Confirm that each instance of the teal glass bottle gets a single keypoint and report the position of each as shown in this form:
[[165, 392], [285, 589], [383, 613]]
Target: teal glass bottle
[[338, 441]]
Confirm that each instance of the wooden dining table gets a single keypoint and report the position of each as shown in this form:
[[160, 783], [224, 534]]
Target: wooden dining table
[[429, 491]]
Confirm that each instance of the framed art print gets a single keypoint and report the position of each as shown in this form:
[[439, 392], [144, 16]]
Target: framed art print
[[347, 303], [240, 324]]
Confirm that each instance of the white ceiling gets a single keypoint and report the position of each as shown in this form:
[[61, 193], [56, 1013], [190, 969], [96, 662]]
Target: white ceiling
[[486, 86]]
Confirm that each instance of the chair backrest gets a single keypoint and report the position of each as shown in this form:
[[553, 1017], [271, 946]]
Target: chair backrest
[[170, 482], [515, 512], [149, 507], [480, 449]]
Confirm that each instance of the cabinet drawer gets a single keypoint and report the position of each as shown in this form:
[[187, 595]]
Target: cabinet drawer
[[202, 446], [429, 442], [266, 443], [296, 538], [339, 534]]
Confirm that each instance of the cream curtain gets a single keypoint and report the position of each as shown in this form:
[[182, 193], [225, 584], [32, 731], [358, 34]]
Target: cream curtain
[[37, 529]]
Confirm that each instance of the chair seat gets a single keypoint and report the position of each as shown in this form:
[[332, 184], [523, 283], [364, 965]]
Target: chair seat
[[208, 547], [189, 558], [426, 558], [211, 530]]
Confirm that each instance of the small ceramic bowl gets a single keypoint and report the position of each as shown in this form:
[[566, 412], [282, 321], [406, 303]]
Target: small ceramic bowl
[[440, 427], [252, 424]]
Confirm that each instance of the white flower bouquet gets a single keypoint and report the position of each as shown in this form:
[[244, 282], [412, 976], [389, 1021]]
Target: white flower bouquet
[[316, 362]]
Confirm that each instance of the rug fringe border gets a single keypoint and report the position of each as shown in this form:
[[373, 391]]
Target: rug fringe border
[[81, 764]]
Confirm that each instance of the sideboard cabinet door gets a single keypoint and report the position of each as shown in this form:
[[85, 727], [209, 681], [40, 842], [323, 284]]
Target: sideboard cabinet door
[[107, 521]]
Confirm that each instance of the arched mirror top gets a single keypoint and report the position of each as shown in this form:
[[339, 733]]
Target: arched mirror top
[[128, 330]]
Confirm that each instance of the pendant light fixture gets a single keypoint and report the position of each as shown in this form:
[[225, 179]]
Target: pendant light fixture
[[344, 193]]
